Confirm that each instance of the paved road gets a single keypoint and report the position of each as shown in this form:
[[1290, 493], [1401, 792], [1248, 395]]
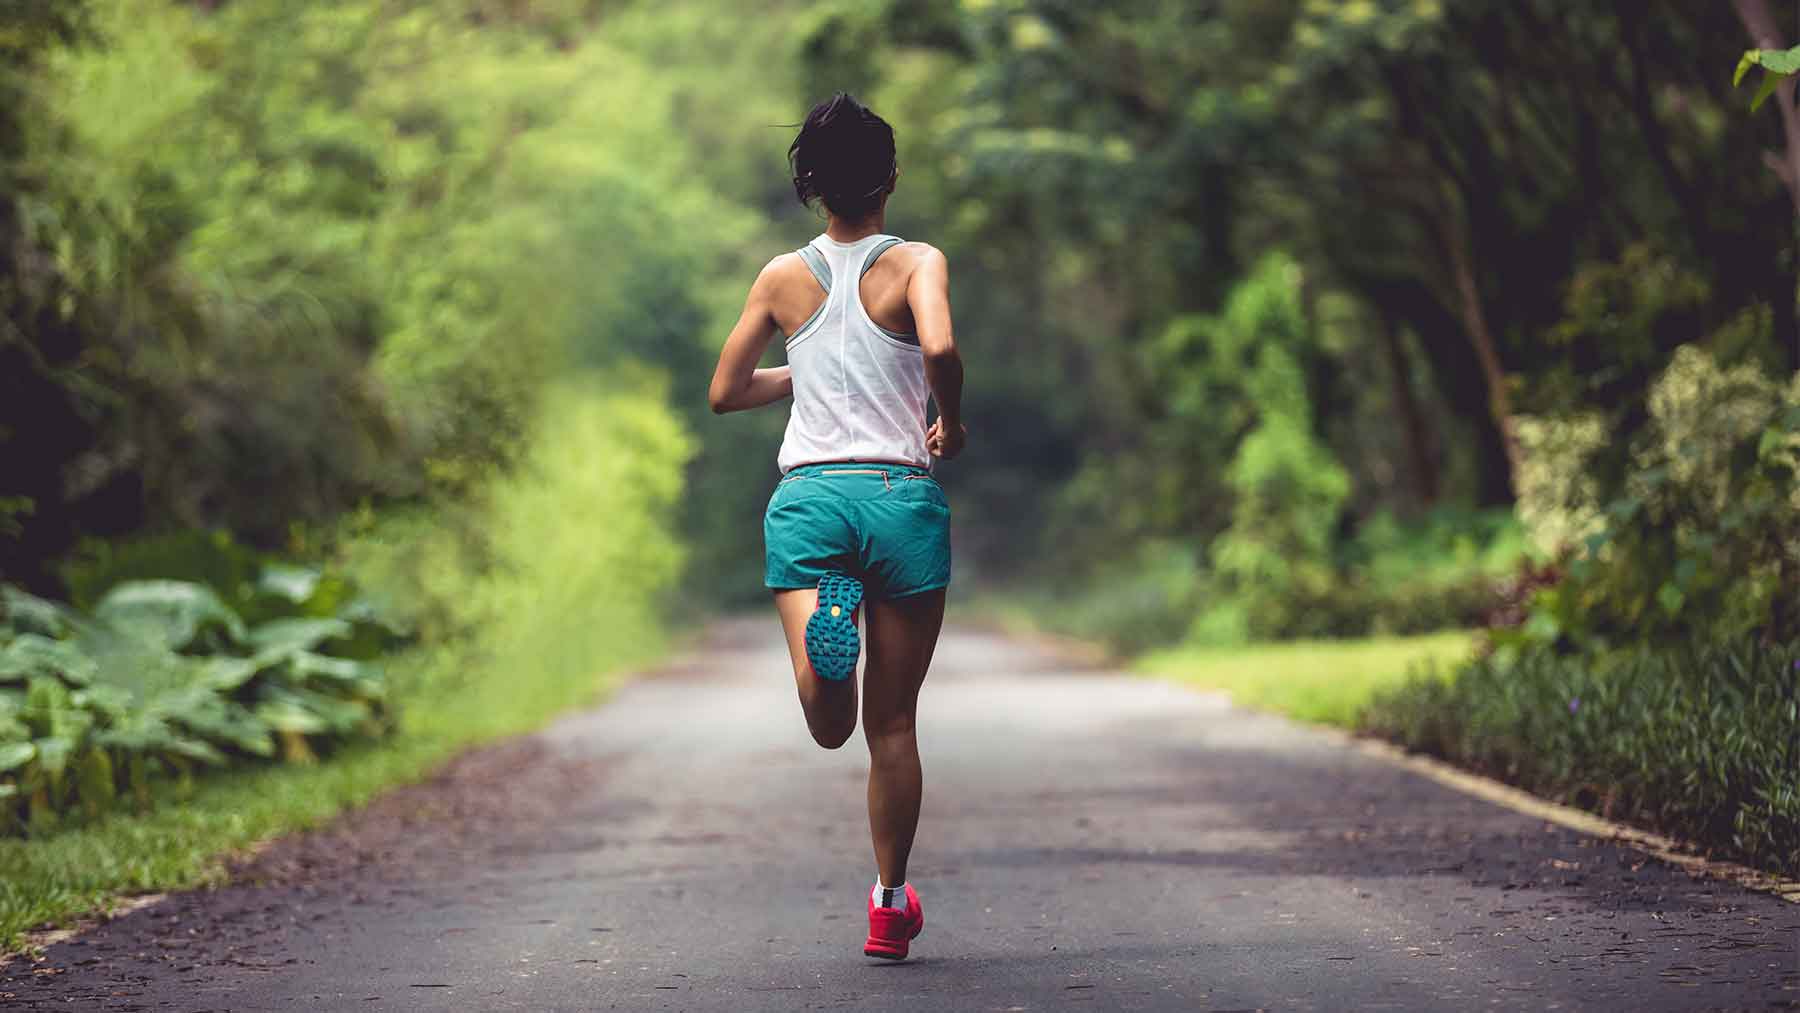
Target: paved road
[[1089, 841]]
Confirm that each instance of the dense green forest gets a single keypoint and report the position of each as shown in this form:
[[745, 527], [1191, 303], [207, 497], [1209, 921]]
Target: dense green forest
[[1284, 318], [1300, 285]]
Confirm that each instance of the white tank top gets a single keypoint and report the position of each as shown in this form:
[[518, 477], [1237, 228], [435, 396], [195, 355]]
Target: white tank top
[[859, 388]]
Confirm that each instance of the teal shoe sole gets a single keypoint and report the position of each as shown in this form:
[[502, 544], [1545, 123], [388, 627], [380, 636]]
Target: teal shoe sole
[[832, 644]]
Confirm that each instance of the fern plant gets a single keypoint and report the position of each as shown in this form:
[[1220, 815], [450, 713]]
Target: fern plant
[[163, 677]]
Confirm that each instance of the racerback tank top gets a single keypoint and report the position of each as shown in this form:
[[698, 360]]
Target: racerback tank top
[[859, 388]]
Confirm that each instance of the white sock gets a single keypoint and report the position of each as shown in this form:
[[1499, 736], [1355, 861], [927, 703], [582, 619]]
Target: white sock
[[889, 896]]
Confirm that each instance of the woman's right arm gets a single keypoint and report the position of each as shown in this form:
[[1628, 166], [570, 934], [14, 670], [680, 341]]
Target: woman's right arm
[[928, 295], [737, 384]]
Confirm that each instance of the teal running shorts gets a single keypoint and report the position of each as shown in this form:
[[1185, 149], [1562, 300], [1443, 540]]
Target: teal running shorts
[[885, 524]]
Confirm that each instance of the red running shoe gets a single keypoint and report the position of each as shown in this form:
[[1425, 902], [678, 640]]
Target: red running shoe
[[891, 930]]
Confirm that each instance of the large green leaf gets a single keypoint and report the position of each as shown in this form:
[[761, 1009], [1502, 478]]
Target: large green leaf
[[1770, 82], [225, 673], [1777, 64], [107, 702], [294, 583], [228, 723], [50, 710], [149, 734], [197, 749], [145, 669], [282, 635], [289, 715], [328, 713], [12, 705], [32, 654], [53, 752], [27, 613], [14, 755], [205, 713], [1780, 61], [355, 677], [170, 613]]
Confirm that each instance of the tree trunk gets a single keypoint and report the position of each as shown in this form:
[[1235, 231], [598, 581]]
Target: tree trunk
[[1413, 429], [1766, 34], [1481, 338]]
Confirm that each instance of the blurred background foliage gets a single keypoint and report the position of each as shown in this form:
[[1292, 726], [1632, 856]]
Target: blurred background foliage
[[1286, 318]]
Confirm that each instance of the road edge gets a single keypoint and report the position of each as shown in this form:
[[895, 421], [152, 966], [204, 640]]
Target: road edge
[[1518, 800]]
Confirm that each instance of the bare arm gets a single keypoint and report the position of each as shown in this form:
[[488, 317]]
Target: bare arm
[[737, 384], [928, 295]]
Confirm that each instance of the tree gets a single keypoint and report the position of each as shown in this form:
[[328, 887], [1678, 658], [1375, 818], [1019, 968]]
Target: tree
[[1779, 67]]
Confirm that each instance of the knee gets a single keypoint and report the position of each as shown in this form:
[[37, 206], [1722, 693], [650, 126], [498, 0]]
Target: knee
[[832, 736], [891, 734]]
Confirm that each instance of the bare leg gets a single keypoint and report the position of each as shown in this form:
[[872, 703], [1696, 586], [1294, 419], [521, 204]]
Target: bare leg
[[902, 634], [830, 706]]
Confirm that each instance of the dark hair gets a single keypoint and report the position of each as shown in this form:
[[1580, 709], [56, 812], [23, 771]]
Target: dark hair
[[843, 156]]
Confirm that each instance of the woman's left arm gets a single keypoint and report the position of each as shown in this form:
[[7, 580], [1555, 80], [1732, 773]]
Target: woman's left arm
[[737, 384]]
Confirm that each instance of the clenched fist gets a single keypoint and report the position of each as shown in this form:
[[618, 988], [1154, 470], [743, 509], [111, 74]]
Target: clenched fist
[[946, 442]]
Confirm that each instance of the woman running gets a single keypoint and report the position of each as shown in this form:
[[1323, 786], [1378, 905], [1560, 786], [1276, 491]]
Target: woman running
[[857, 514]]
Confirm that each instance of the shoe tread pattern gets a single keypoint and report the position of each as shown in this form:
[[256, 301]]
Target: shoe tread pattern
[[832, 643]]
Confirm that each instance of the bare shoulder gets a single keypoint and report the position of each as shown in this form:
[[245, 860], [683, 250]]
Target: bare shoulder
[[782, 266], [928, 263], [781, 274], [923, 253]]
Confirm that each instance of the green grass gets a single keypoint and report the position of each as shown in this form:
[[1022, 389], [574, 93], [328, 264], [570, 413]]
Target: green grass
[[1325, 681], [180, 842]]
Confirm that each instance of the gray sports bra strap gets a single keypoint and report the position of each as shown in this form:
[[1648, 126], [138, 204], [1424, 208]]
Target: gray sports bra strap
[[876, 252], [815, 262]]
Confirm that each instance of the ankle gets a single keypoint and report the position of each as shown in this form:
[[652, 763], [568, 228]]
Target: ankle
[[887, 895]]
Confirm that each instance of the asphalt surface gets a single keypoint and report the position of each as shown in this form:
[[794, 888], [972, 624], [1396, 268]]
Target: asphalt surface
[[1088, 841]]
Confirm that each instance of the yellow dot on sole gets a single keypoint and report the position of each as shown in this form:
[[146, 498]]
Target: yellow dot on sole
[[836, 610]]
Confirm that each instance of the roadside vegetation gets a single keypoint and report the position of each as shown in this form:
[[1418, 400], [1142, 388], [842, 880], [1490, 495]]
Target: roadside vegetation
[[1659, 680], [337, 405], [1325, 681], [516, 611], [164, 676]]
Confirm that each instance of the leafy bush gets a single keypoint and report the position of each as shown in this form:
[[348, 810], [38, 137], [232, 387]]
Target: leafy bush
[[163, 676], [212, 558], [1289, 489], [1702, 538], [1356, 605], [1442, 546], [1148, 602], [1659, 678], [1701, 740], [1450, 569], [1447, 569], [555, 573], [529, 598]]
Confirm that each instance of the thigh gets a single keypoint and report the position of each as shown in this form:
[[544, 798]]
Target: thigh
[[796, 607], [830, 707], [902, 633]]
